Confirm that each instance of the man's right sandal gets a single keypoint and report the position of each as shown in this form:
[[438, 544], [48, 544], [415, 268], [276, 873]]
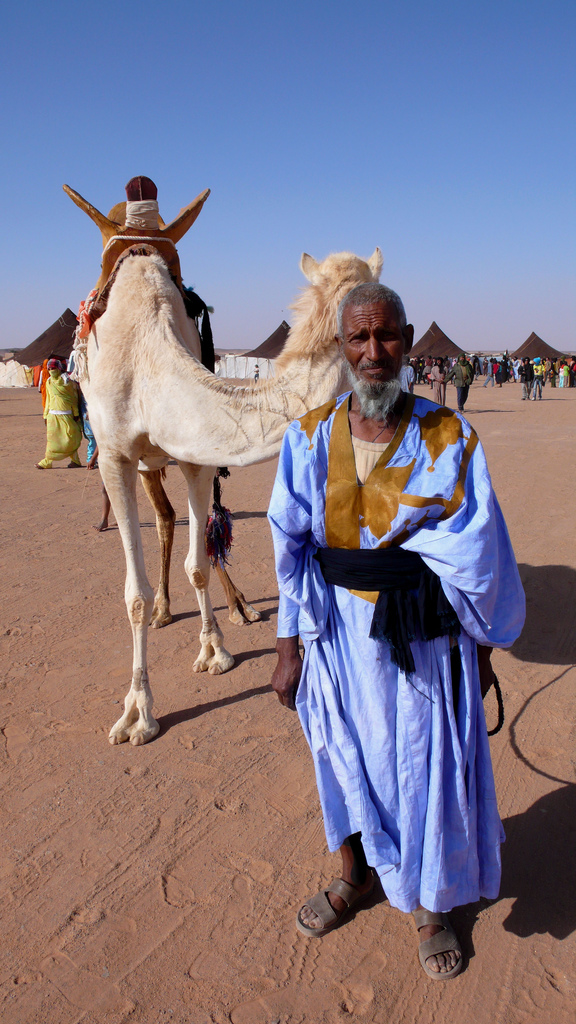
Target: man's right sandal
[[323, 909], [442, 942]]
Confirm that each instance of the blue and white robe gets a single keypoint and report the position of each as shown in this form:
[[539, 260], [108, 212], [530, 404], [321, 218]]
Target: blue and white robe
[[392, 759]]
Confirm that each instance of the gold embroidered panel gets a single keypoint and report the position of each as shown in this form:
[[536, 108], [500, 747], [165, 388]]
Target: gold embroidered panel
[[376, 504]]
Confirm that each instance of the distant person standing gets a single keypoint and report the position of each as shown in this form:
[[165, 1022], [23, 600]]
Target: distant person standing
[[438, 382], [63, 433], [488, 370], [463, 376], [526, 376], [407, 378], [256, 372], [538, 379]]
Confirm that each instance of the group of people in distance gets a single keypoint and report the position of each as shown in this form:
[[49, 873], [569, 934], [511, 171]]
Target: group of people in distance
[[437, 372], [533, 374]]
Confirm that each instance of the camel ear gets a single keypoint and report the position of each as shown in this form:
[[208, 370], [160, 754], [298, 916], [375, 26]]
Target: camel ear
[[309, 267], [376, 262], [178, 227], [107, 227]]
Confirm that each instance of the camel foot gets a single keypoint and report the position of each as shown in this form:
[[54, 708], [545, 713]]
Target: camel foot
[[160, 617], [243, 614], [136, 724], [144, 733], [137, 733], [251, 614], [214, 661], [236, 617]]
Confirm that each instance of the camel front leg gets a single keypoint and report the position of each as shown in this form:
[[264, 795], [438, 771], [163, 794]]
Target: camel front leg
[[239, 611], [165, 519], [213, 657], [137, 723]]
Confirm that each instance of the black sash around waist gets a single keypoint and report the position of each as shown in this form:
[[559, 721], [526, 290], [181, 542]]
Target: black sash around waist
[[411, 604]]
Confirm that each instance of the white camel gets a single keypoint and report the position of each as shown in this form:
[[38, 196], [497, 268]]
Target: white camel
[[151, 400]]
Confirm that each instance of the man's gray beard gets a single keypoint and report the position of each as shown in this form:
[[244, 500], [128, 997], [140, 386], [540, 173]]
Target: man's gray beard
[[376, 400]]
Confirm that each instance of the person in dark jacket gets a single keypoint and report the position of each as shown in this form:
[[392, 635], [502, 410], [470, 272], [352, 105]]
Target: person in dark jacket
[[463, 376], [526, 376]]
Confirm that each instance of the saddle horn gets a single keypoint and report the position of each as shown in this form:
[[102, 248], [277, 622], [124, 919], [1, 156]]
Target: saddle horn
[[178, 227], [107, 227]]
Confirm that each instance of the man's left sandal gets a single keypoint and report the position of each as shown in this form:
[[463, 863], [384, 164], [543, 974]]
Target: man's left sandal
[[442, 942], [323, 909]]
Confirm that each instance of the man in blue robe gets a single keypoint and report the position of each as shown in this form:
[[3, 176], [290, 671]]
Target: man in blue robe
[[396, 571]]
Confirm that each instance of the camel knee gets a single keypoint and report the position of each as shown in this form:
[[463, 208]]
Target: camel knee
[[197, 577], [140, 609]]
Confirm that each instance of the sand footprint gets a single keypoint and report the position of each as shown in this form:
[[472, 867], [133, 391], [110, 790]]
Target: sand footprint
[[357, 987], [83, 989]]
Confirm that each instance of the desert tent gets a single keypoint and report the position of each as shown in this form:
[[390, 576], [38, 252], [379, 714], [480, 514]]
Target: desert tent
[[14, 375], [272, 347], [55, 340], [434, 343], [242, 367], [534, 346]]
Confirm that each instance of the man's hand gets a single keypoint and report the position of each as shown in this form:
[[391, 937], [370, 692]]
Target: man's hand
[[485, 669], [288, 670]]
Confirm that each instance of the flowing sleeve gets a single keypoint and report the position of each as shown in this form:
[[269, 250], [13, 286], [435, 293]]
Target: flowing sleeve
[[472, 554], [302, 604]]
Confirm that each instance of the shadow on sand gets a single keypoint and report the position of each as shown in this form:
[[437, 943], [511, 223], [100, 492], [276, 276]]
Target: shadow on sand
[[548, 637], [189, 714], [537, 873], [538, 867]]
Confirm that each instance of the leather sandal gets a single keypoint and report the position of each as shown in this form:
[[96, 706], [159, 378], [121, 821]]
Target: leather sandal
[[442, 942], [323, 909]]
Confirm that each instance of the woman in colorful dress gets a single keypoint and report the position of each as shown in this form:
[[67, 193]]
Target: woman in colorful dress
[[63, 433]]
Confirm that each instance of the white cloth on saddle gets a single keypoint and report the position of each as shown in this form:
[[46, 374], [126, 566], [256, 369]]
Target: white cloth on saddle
[[142, 214]]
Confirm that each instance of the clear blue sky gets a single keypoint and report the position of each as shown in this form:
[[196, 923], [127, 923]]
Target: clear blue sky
[[441, 131]]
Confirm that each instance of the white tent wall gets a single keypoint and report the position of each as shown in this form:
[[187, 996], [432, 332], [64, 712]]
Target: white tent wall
[[14, 375], [243, 367]]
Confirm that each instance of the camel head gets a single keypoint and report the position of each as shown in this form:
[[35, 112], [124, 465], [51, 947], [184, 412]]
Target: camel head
[[339, 267], [315, 310], [115, 222]]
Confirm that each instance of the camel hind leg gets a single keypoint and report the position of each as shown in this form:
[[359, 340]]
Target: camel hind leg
[[165, 519], [239, 611]]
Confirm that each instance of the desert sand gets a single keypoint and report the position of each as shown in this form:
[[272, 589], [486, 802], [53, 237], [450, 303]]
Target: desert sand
[[160, 883]]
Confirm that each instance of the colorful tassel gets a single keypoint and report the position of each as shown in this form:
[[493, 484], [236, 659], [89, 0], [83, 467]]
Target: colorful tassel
[[219, 527]]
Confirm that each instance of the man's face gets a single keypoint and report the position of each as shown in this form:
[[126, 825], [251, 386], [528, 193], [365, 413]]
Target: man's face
[[373, 342]]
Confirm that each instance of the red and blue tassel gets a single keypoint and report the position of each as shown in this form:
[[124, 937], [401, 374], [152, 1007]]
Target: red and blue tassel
[[219, 527]]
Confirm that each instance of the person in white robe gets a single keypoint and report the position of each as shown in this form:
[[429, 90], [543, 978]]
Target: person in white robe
[[396, 571]]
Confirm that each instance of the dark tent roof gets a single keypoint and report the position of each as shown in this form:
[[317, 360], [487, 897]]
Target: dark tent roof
[[435, 343], [272, 347], [56, 340], [534, 346]]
